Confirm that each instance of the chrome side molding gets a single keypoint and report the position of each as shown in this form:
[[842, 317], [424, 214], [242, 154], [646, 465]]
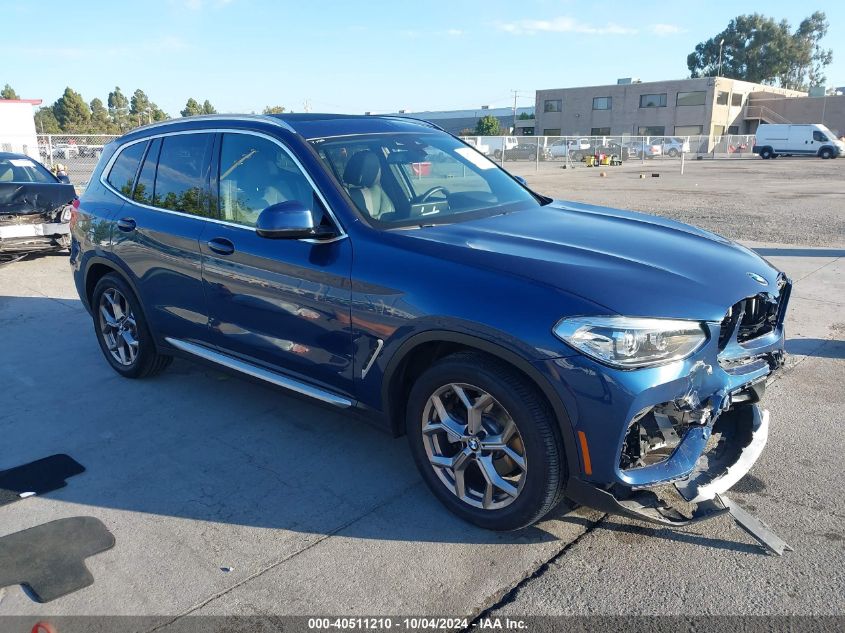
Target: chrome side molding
[[259, 372]]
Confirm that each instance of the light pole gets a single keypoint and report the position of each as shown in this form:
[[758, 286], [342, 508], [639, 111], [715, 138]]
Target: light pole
[[719, 73]]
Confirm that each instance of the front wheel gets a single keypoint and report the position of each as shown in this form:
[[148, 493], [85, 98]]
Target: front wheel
[[673, 153], [485, 442], [826, 153], [766, 153]]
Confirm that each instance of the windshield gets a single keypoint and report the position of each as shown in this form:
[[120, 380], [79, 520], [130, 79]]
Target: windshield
[[408, 179], [22, 169]]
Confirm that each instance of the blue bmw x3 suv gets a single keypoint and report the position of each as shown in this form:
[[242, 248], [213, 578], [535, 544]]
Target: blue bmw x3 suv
[[531, 349]]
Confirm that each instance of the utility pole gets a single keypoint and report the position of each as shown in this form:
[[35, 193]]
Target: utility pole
[[515, 95], [719, 73]]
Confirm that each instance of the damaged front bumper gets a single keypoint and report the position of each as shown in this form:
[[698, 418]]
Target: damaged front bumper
[[33, 232], [693, 425]]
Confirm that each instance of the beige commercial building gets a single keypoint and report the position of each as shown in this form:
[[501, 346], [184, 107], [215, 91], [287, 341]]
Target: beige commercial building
[[684, 107]]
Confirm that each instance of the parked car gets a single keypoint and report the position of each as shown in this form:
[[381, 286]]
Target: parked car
[[481, 147], [65, 151], [495, 144], [34, 207], [674, 146], [90, 151], [530, 349], [568, 146], [773, 140], [636, 149], [527, 151]]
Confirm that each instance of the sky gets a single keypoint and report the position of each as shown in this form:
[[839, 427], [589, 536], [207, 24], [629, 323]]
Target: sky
[[369, 55]]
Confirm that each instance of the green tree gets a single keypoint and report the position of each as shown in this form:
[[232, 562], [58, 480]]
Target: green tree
[[8, 93], [192, 108], [72, 112], [488, 126], [101, 122], [273, 109], [45, 121], [118, 108], [157, 113], [756, 48], [139, 108], [207, 108]]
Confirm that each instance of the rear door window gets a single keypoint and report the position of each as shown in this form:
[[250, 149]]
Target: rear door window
[[180, 182], [122, 174], [146, 179]]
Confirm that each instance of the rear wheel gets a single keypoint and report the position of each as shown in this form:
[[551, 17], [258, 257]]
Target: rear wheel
[[485, 442], [122, 330], [766, 153], [673, 153]]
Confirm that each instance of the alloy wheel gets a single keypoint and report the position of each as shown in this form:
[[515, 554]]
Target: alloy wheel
[[118, 327], [474, 446]]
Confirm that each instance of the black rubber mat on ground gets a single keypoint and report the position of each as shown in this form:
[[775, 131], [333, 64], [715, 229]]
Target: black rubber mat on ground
[[50, 558], [37, 477]]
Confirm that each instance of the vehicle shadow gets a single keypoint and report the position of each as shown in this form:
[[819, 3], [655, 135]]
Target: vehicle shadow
[[818, 347], [196, 443]]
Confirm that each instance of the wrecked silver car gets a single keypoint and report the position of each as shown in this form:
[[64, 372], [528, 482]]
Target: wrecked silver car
[[35, 207]]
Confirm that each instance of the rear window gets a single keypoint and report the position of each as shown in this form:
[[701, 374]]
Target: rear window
[[180, 182], [122, 174]]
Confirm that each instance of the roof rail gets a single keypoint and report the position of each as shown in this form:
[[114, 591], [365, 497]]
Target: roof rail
[[216, 117], [410, 119]]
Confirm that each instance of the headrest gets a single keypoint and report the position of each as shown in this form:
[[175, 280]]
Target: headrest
[[362, 170]]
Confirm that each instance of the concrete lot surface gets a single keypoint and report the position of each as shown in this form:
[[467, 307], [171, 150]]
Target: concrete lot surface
[[314, 512], [788, 200]]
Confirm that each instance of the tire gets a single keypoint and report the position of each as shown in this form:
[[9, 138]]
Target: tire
[[577, 157], [825, 153], [536, 485], [673, 153], [123, 320], [766, 153], [497, 153]]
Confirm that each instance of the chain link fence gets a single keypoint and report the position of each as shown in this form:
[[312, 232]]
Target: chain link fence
[[579, 149], [78, 153]]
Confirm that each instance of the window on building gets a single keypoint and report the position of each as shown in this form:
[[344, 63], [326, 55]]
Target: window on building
[[736, 99], [256, 173], [653, 101], [551, 131], [122, 174], [180, 178], [553, 105], [602, 103], [733, 129], [651, 130], [689, 130], [600, 131], [695, 98], [722, 98]]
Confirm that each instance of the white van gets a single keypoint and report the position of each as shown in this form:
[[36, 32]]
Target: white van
[[811, 139]]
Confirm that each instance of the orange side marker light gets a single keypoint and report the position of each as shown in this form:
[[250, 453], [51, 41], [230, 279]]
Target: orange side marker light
[[585, 453]]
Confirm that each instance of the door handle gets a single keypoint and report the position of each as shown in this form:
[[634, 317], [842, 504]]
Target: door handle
[[221, 246], [127, 225]]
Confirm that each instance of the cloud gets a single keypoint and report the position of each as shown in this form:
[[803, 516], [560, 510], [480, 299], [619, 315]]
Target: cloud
[[562, 24], [455, 32], [666, 29], [196, 5]]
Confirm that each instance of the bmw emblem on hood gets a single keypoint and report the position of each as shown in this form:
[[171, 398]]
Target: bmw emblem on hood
[[758, 278]]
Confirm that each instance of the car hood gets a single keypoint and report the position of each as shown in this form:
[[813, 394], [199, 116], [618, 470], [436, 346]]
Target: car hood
[[630, 263], [27, 198]]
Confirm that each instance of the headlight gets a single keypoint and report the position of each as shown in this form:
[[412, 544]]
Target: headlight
[[629, 342]]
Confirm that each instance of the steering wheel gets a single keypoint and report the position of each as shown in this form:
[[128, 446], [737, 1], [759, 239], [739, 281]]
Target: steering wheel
[[424, 197]]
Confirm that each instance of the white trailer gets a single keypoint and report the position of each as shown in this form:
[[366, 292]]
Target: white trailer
[[17, 127]]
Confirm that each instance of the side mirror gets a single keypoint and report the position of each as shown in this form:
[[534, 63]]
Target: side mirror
[[63, 178], [289, 220], [521, 180]]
